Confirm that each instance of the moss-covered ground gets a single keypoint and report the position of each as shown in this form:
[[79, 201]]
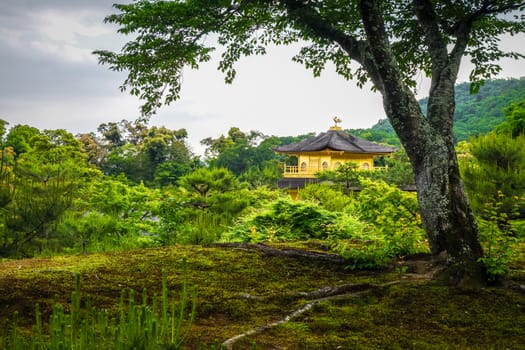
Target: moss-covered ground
[[240, 289]]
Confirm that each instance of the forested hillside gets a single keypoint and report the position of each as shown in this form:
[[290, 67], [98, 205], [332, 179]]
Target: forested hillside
[[475, 113]]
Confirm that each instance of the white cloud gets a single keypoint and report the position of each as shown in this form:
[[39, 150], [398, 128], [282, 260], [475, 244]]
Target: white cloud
[[62, 34], [68, 25], [63, 51]]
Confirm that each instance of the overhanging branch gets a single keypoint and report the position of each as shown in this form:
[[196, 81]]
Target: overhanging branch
[[358, 50], [428, 20]]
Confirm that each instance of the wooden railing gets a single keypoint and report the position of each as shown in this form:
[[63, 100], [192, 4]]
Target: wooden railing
[[296, 171], [291, 169]]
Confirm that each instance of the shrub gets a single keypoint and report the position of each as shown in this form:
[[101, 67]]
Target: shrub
[[326, 196], [379, 225], [373, 256], [394, 214], [286, 219], [497, 237], [191, 219]]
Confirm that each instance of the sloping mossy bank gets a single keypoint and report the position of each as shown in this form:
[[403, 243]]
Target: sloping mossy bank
[[242, 289]]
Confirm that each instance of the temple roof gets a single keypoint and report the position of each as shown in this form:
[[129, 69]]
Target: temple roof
[[336, 140]]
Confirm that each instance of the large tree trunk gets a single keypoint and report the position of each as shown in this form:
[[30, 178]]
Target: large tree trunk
[[446, 215], [447, 218], [445, 212]]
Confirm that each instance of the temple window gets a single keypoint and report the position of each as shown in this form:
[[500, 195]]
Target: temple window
[[365, 166], [325, 165], [303, 167]]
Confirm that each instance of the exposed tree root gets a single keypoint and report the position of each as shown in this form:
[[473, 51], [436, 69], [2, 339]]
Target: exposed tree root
[[288, 252], [515, 286], [323, 294], [418, 270], [319, 293]]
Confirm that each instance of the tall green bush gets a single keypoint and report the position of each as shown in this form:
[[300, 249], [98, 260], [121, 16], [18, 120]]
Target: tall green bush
[[394, 214], [187, 216], [495, 165], [109, 214], [286, 219], [41, 174], [326, 196], [498, 238], [374, 227]]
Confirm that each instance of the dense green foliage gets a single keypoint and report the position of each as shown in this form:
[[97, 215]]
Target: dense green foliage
[[248, 155], [77, 204], [111, 213], [394, 226], [380, 132], [290, 220], [153, 155], [39, 184], [493, 168], [394, 170], [494, 165], [479, 113], [327, 196], [370, 228], [346, 177], [514, 124], [205, 204]]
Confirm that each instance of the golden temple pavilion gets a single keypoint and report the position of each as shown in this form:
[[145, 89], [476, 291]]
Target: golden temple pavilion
[[328, 151]]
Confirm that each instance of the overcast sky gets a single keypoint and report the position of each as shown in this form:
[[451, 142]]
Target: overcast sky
[[49, 79]]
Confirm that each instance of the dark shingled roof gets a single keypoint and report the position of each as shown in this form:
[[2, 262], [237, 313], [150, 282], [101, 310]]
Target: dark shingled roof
[[336, 140]]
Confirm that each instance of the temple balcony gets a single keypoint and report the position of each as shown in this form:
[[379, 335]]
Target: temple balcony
[[295, 171], [304, 172]]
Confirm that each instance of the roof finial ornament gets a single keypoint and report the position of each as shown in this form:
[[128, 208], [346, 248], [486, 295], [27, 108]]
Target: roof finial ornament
[[337, 121]]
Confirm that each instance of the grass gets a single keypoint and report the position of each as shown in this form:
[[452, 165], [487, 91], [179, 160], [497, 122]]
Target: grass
[[413, 314]]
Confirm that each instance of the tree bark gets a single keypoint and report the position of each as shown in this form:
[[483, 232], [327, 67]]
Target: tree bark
[[446, 215]]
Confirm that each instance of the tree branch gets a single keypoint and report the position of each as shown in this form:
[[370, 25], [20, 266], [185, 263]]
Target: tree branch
[[399, 102], [428, 20], [495, 6], [310, 18], [291, 253], [445, 65], [358, 50]]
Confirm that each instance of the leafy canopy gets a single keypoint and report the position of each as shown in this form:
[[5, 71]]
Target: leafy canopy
[[171, 35], [37, 185]]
